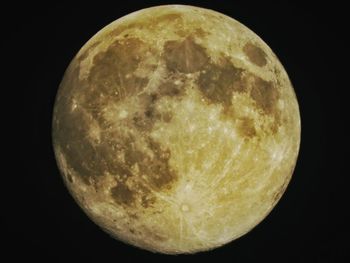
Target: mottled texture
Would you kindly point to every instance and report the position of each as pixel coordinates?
(264, 94)
(176, 129)
(185, 56)
(218, 82)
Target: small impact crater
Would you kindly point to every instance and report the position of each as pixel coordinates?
(255, 54)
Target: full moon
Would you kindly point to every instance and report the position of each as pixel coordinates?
(176, 129)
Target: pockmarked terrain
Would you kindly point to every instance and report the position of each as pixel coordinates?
(176, 129)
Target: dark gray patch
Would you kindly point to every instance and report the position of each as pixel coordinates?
(133, 216)
(112, 74)
(255, 54)
(145, 118)
(167, 116)
(169, 88)
(218, 82)
(184, 56)
(69, 177)
(86, 159)
(200, 32)
(154, 97)
(265, 95)
(246, 127)
(156, 171)
(122, 194)
(132, 155)
(106, 153)
(147, 201)
(144, 121)
(160, 174)
(78, 151)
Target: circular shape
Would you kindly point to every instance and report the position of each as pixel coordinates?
(176, 129)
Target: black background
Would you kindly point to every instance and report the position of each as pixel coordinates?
(41, 221)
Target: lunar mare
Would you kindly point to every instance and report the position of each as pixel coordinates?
(176, 129)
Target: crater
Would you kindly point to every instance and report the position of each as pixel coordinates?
(255, 54)
(69, 177)
(167, 116)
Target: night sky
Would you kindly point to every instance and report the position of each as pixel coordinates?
(40, 220)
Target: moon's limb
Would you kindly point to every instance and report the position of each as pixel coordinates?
(176, 129)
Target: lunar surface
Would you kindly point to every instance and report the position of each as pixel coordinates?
(176, 129)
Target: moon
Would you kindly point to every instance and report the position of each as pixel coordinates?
(176, 129)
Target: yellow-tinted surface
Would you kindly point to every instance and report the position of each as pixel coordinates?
(176, 129)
